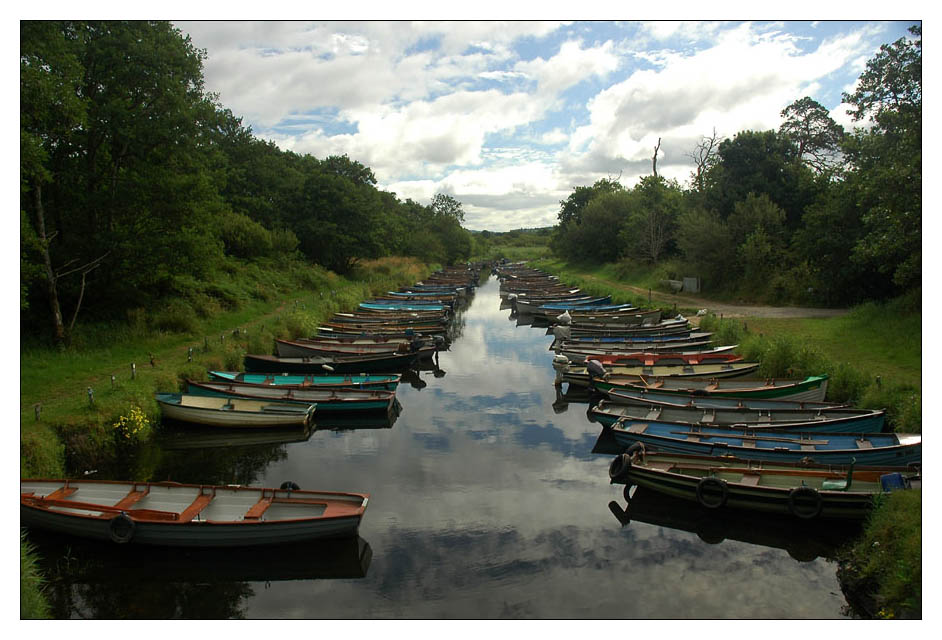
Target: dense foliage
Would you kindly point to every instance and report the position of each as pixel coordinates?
(807, 214)
(137, 185)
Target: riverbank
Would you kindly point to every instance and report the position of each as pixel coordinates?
(72, 402)
(872, 354)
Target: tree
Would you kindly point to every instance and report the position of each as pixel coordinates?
(445, 206)
(817, 136)
(704, 157)
(886, 160)
(760, 162)
(654, 206)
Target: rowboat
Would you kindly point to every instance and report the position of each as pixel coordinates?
(401, 306)
(582, 375)
(627, 339)
(810, 389)
(338, 364)
(172, 514)
(579, 354)
(625, 395)
(378, 381)
(232, 412)
(329, 400)
(887, 449)
(801, 490)
(829, 420)
(714, 355)
(304, 348)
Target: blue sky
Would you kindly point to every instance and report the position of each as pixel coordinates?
(508, 117)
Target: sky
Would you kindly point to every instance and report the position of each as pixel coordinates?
(509, 117)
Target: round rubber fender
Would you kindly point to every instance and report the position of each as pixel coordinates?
(288, 485)
(121, 527)
(800, 494)
(706, 486)
(619, 467)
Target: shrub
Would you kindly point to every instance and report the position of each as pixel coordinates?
(177, 316)
(132, 427)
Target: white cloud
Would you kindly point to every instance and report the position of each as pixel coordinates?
(469, 108)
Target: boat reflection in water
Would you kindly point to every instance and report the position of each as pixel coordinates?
(802, 540)
(196, 437)
(88, 579)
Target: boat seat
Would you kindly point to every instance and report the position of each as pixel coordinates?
(60, 493)
(708, 417)
(258, 509)
(134, 496)
(637, 428)
(864, 444)
(200, 503)
(653, 414)
(751, 479)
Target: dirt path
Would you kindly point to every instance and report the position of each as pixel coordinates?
(727, 310)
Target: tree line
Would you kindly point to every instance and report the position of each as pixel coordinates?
(808, 213)
(135, 181)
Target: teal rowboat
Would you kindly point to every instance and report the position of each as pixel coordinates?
(376, 381)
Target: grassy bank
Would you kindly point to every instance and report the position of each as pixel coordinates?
(185, 338)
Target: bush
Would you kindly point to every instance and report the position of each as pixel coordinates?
(175, 315)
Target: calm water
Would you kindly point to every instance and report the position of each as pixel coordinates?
(490, 499)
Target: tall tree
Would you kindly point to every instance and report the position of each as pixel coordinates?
(886, 160)
(446, 206)
(817, 136)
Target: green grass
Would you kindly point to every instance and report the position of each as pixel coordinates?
(33, 604)
(58, 381)
(885, 564)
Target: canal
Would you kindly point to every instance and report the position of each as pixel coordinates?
(490, 499)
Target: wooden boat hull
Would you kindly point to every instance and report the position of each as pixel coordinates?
(811, 389)
(822, 420)
(721, 483)
(298, 349)
(580, 376)
(378, 382)
(344, 364)
(178, 515)
(624, 395)
(327, 400)
(234, 412)
(898, 450)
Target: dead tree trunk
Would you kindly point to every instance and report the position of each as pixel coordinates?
(654, 159)
(51, 291)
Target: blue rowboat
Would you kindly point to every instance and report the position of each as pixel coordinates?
(384, 363)
(378, 381)
(883, 449)
(812, 388)
(820, 420)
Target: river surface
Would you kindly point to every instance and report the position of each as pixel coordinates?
(490, 499)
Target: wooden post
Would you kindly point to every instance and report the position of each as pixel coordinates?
(112, 383)
(38, 408)
(91, 397)
(133, 371)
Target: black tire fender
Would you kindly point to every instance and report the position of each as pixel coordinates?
(707, 484)
(619, 467)
(799, 493)
(122, 528)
